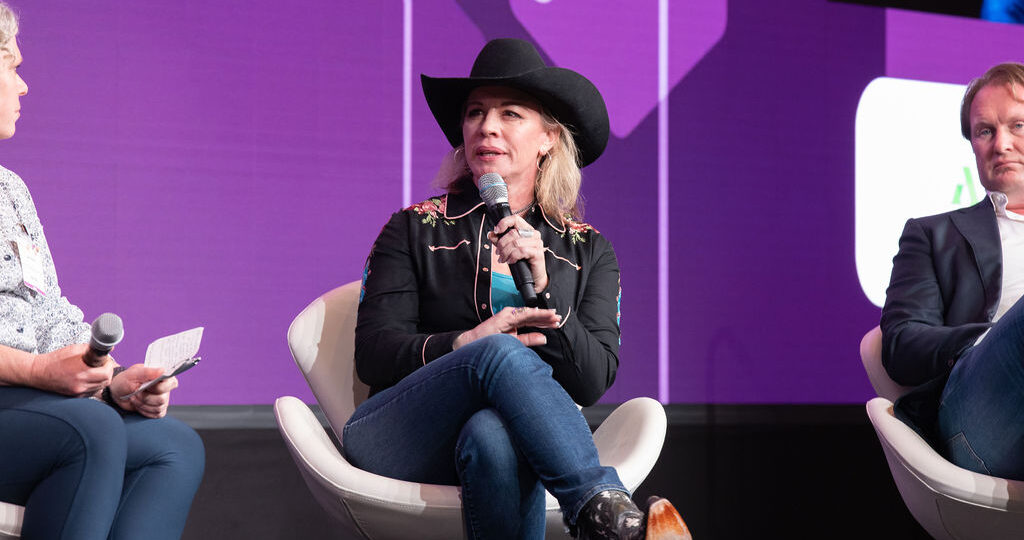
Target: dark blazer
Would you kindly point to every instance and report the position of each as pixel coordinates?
(942, 295)
(427, 281)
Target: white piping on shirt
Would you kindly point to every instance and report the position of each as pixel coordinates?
(476, 268)
(423, 351)
(574, 265)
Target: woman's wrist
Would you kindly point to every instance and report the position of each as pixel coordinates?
(462, 339)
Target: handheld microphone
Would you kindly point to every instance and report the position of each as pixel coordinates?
(107, 331)
(494, 192)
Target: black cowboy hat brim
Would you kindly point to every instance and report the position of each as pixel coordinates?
(567, 95)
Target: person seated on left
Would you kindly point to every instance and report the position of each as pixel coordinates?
(84, 463)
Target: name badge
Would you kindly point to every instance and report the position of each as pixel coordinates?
(31, 264)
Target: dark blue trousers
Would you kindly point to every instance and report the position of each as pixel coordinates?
(83, 471)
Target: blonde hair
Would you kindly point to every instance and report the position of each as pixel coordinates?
(8, 27)
(557, 189)
(1009, 73)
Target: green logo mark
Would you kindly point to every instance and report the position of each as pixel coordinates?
(970, 190)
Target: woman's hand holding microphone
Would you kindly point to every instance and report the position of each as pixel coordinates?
(513, 240)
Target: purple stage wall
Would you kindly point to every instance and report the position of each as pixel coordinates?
(223, 163)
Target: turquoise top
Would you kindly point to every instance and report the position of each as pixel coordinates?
(504, 292)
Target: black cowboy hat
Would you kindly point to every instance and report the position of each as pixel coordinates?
(569, 96)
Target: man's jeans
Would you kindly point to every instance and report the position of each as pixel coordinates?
(981, 415)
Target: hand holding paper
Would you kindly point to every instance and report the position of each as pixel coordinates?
(174, 354)
(151, 403)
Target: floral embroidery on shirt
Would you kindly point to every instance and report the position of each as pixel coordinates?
(576, 230)
(431, 210)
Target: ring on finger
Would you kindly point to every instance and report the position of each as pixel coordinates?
(526, 233)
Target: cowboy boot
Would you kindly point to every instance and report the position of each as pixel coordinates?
(664, 522)
(610, 515)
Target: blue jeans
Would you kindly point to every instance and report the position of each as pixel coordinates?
(490, 418)
(84, 472)
(979, 423)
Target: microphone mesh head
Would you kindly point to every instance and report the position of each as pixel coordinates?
(493, 189)
(107, 330)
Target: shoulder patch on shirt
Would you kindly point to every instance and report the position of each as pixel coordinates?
(432, 210)
(577, 230)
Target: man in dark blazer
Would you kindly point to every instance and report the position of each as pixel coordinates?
(952, 325)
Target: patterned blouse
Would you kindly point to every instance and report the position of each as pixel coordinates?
(31, 321)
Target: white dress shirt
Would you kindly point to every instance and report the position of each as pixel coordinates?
(1011, 236)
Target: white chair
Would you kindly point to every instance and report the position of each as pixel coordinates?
(11, 516)
(871, 356)
(375, 507)
(948, 501)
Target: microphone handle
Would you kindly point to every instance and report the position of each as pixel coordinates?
(95, 358)
(521, 273)
(524, 282)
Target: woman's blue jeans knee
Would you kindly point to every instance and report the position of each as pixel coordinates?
(413, 430)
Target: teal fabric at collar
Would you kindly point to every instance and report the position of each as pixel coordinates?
(504, 292)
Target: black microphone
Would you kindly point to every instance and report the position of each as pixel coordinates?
(107, 331)
(494, 192)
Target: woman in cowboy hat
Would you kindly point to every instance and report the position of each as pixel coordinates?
(468, 385)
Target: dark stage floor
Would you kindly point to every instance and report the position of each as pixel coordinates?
(734, 472)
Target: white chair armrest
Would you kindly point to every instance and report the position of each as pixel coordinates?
(871, 357)
(631, 438)
(307, 439)
(376, 506)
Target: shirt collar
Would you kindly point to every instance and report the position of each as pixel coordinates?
(466, 202)
(462, 203)
(999, 201)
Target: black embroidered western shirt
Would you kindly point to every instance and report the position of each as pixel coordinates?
(427, 280)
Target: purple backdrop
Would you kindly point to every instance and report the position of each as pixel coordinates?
(223, 163)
